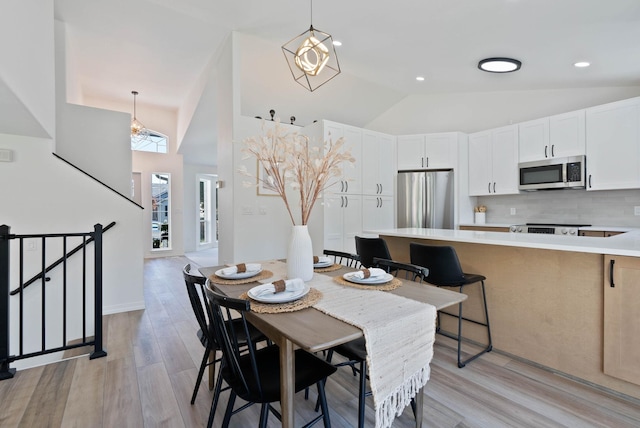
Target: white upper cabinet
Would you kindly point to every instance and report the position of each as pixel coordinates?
(430, 151)
(613, 145)
(551, 137)
(378, 166)
(351, 180)
(567, 134)
(493, 162)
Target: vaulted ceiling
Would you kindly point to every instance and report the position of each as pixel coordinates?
(162, 47)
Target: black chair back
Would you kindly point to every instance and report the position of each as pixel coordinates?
(195, 289)
(406, 270)
(368, 248)
(442, 262)
(234, 339)
(340, 257)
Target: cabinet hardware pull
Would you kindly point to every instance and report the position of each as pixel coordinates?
(341, 186)
(341, 201)
(346, 184)
(589, 181)
(545, 151)
(422, 162)
(552, 146)
(380, 188)
(427, 161)
(494, 187)
(611, 263)
(377, 202)
(489, 187)
(380, 202)
(346, 201)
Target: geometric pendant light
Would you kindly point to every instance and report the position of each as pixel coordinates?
(138, 130)
(311, 57)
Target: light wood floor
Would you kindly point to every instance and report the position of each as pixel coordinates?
(148, 376)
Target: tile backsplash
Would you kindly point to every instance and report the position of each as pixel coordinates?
(599, 208)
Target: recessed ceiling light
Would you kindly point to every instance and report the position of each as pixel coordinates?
(499, 65)
(582, 64)
(420, 79)
(337, 43)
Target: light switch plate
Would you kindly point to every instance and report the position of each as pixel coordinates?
(636, 210)
(6, 155)
(513, 211)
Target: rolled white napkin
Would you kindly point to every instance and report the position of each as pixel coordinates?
(373, 273)
(294, 284)
(251, 267)
(323, 260)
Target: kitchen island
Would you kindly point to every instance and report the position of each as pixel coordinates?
(550, 298)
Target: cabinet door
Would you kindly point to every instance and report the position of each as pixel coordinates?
(387, 168)
(370, 163)
(410, 152)
(377, 213)
(622, 318)
(439, 150)
(613, 146)
(352, 172)
(567, 134)
(479, 163)
(533, 140)
(352, 222)
(333, 210)
(386, 213)
(504, 154)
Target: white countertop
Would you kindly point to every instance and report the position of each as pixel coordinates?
(626, 244)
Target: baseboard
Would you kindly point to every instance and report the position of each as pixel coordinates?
(126, 307)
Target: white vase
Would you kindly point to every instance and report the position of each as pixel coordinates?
(480, 218)
(300, 254)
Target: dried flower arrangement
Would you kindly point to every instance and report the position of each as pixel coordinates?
(480, 209)
(290, 161)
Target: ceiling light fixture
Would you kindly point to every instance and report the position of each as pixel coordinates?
(499, 65)
(582, 64)
(311, 57)
(138, 130)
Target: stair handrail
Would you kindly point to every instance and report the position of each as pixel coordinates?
(57, 262)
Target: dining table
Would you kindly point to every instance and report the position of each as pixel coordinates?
(314, 331)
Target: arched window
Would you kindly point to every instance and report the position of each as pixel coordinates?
(151, 142)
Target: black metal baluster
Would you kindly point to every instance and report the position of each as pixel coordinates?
(98, 350)
(5, 371)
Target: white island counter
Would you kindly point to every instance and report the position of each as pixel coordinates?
(551, 298)
(625, 244)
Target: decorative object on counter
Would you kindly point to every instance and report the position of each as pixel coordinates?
(480, 214)
(311, 57)
(292, 119)
(294, 169)
(272, 113)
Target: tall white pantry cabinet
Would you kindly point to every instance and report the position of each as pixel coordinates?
(363, 197)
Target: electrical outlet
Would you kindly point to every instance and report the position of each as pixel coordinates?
(636, 210)
(513, 211)
(31, 245)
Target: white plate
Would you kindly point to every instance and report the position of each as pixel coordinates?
(323, 264)
(263, 293)
(247, 274)
(369, 281)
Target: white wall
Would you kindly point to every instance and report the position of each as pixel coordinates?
(477, 111)
(27, 88)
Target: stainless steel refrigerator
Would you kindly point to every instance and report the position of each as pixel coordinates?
(425, 199)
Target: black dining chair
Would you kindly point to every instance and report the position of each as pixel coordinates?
(368, 248)
(445, 271)
(195, 289)
(254, 376)
(343, 258)
(355, 351)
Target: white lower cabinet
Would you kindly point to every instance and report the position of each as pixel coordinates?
(377, 212)
(342, 222)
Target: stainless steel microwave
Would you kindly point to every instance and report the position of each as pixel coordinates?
(554, 173)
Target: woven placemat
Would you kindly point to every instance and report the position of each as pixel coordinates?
(262, 275)
(331, 268)
(312, 297)
(388, 286)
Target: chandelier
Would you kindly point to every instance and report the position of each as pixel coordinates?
(138, 130)
(311, 57)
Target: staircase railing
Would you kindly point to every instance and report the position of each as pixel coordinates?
(6, 237)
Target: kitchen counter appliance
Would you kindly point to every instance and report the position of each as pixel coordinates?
(550, 229)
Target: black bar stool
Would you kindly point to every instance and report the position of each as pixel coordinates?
(445, 271)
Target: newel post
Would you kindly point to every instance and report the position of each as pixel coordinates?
(5, 371)
(98, 350)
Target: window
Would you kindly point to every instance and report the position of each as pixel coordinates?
(160, 211)
(154, 142)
